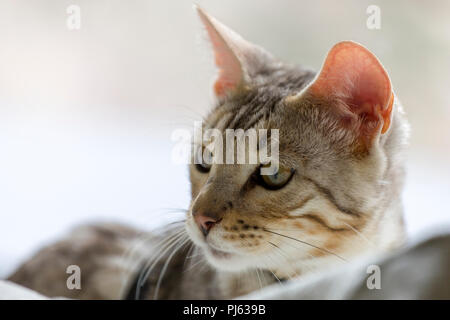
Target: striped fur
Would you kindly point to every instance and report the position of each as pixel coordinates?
(343, 200)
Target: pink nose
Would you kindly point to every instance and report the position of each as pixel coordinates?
(205, 223)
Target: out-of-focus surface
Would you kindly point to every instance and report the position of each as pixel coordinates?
(86, 115)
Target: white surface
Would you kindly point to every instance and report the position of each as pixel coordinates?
(12, 291)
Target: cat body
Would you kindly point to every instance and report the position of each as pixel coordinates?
(336, 195)
(111, 259)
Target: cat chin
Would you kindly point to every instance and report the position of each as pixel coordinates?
(226, 262)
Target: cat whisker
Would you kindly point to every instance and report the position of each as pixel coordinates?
(175, 210)
(280, 252)
(268, 266)
(176, 222)
(190, 109)
(306, 243)
(194, 264)
(259, 278)
(360, 234)
(134, 255)
(257, 270)
(131, 256)
(189, 254)
(172, 241)
(163, 243)
(274, 275)
(166, 264)
(279, 281)
(293, 245)
(193, 256)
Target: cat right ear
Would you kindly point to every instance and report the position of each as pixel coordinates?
(236, 58)
(358, 87)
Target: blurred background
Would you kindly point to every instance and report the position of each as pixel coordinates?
(86, 115)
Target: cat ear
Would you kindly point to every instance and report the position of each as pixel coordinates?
(355, 80)
(235, 57)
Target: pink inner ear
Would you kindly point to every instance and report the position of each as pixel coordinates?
(230, 70)
(352, 74)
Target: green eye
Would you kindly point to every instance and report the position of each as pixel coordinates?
(278, 180)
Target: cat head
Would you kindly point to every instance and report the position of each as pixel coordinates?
(335, 159)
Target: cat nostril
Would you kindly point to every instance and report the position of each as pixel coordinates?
(209, 224)
(206, 223)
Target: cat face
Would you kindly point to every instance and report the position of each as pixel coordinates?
(326, 200)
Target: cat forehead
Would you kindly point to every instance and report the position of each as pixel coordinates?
(304, 127)
(305, 130)
(262, 100)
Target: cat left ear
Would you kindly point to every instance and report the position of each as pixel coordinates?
(360, 87)
(237, 59)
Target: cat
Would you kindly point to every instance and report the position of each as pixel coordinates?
(336, 195)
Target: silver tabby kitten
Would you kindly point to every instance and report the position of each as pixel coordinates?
(337, 193)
